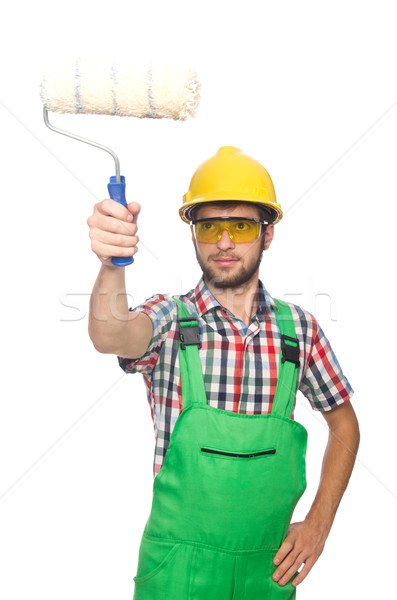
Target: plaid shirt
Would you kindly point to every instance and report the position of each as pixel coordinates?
(239, 363)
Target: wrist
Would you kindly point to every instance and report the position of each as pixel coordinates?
(320, 520)
(111, 275)
(108, 265)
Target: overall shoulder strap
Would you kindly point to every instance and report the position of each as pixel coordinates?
(288, 362)
(192, 382)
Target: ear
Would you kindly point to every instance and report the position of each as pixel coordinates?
(192, 232)
(268, 236)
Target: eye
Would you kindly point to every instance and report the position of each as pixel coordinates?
(207, 226)
(243, 226)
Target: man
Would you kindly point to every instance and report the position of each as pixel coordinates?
(222, 365)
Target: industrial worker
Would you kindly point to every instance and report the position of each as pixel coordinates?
(222, 365)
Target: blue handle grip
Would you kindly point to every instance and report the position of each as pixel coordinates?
(117, 192)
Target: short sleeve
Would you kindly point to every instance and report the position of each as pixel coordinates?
(323, 382)
(162, 311)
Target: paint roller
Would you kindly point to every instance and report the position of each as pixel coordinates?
(84, 86)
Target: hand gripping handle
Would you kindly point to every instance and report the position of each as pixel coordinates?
(117, 192)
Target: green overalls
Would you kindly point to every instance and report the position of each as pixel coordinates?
(224, 497)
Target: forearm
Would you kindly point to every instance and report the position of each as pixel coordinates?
(108, 309)
(338, 463)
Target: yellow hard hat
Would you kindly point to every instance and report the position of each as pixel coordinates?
(230, 175)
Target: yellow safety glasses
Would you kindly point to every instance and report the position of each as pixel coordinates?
(240, 230)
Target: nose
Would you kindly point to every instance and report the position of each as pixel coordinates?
(225, 241)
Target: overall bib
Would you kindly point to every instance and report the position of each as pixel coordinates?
(224, 497)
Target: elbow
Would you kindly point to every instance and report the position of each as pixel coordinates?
(355, 428)
(101, 349)
(358, 435)
(101, 346)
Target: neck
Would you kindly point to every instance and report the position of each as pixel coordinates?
(241, 301)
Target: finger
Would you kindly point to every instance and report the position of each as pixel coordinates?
(304, 572)
(111, 224)
(286, 565)
(107, 250)
(288, 573)
(112, 208)
(284, 549)
(113, 239)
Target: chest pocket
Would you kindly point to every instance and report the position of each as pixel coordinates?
(238, 455)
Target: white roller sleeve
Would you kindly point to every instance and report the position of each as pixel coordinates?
(124, 88)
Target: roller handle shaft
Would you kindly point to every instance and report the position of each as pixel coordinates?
(117, 192)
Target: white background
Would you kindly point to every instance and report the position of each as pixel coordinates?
(307, 88)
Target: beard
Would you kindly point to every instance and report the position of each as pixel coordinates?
(224, 279)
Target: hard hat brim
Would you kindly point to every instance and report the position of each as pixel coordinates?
(185, 210)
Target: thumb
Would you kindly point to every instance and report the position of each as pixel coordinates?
(134, 208)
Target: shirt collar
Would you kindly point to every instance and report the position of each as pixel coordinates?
(205, 301)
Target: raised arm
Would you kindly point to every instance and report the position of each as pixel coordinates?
(112, 328)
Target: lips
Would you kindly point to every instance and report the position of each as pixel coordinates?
(225, 261)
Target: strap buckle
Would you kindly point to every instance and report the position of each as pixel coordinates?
(290, 352)
(189, 335)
